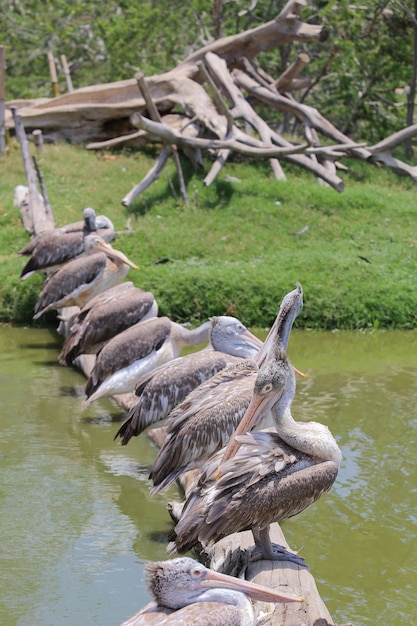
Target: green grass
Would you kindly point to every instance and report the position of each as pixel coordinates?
(239, 245)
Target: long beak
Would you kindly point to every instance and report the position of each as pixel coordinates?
(256, 592)
(253, 339)
(116, 254)
(260, 357)
(258, 407)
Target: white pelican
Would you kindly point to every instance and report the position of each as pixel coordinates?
(273, 475)
(186, 592)
(137, 350)
(81, 279)
(51, 249)
(204, 422)
(168, 385)
(95, 325)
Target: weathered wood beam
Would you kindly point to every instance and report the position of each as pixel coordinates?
(154, 113)
(67, 73)
(150, 177)
(290, 153)
(285, 28)
(302, 112)
(284, 82)
(42, 217)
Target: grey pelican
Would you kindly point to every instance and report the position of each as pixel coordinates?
(186, 592)
(50, 250)
(261, 477)
(79, 280)
(204, 422)
(165, 387)
(137, 350)
(95, 325)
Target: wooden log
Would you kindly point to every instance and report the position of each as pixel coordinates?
(231, 556)
(2, 99)
(53, 74)
(21, 201)
(38, 139)
(42, 218)
(67, 73)
(150, 177)
(154, 113)
(284, 82)
(42, 186)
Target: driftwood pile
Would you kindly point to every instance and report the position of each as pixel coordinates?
(208, 104)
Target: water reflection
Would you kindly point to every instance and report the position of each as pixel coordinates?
(77, 521)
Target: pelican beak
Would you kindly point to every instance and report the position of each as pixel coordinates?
(116, 254)
(258, 406)
(254, 591)
(253, 339)
(299, 372)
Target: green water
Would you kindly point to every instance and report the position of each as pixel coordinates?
(77, 523)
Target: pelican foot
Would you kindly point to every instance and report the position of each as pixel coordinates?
(277, 553)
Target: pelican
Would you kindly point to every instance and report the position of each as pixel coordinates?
(81, 279)
(186, 592)
(109, 295)
(165, 387)
(204, 422)
(261, 477)
(95, 325)
(50, 250)
(138, 350)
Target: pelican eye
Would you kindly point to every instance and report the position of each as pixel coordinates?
(267, 388)
(196, 572)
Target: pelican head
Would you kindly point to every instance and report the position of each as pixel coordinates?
(271, 381)
(179, 582)
(228, 334)
(95, 243)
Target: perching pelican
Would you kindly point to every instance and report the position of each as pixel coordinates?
(81, 279)
(168, 385)
(204, 422)
(51, 249)
(93, 327)
(137, 350)
(186, 592)
(273, 475)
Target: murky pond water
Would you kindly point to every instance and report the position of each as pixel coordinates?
(77, 523)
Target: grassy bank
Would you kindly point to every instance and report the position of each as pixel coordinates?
(240, 245)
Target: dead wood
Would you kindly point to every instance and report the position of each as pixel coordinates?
(217, 90)
(37, 214)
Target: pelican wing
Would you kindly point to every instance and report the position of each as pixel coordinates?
(104, 321)
(167, 387)
(68, 282)
(54, 249)
(221, 614)
(265, 482)
(191, 440)
(131, 345)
